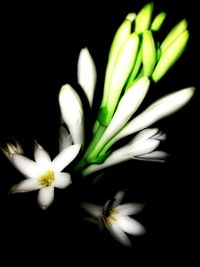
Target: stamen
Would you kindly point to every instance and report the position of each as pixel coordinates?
(46, 179)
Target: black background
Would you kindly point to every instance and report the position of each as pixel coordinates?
(40, 44)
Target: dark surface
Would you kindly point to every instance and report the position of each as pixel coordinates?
(39, 51)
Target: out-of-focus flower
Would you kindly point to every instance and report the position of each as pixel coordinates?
(141, 147)
(65, 139)
(116, 218)
(72, 113)
(44, 174)
(87, 75)
(11, 149)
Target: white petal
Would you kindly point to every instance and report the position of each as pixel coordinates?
(127, 106)
(65, 138)
(129, 209)
(45, 196)
(163, 107)
(130, 226)
(72, 112)
(119, 235)
(145, 134)
(92, 209)
(25, 186)
(144, 147)
(87, 75)
(26, 166)
(65, 157)
(42, 158)
(62, 180)
(157, 156)
(118, 198)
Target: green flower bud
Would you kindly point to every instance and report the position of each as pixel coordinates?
(158, 21)
(143, 18)
(173, 34)
(170, 56)
(148, 53)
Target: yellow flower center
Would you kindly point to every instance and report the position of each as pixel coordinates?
(46, 179)
(108, 220)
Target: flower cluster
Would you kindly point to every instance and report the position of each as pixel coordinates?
(136, 61)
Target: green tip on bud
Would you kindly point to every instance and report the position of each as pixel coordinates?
(158, 21)
(143, 18)
(170, 56)
(148, 53)
(173, 34)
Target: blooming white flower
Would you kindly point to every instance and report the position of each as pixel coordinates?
(72, 113)
(44, 174)
(116, 218)
(141, 147)
(87, 75)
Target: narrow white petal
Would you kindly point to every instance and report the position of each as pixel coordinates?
(144, 135)
(92, 209)
(144, 147)
(119, 235)
(26, 166)
(118, 198)
(163, 107)
(130, 226)
(129, 209)
(157, 156)
(25, 186)
(87, 75)
(65, 157)
(45, 196)
(65, 138)
(42, 158)
(62, 180)
(72, 113)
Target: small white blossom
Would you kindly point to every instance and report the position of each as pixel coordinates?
(116, 218)
(44, 174)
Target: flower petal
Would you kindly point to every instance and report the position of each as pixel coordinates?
(25, 186)
(87, 75)
(62, 180)
(144, 147)
(163, 107)
(130, 226)
(92, 209)
(129, 208)
(72, 112)
(65, 157)
(42, 158)
(118, 198)
(119, 235)
(65, 138)
(26, 166)
(45, 197)
(155, 156)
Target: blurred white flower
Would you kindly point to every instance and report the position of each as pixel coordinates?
(44, 174)
(65, 139)
(72, 113)
(11, 149)
(116, 218)
(141, 147)
(87, 75)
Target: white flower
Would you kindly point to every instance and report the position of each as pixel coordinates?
(72, 113)
(44, 174)
(116, 218)
(86, 73)
(141, 147)
(65, 139)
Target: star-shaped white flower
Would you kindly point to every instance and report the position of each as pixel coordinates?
(44, 174)
(116, 218)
